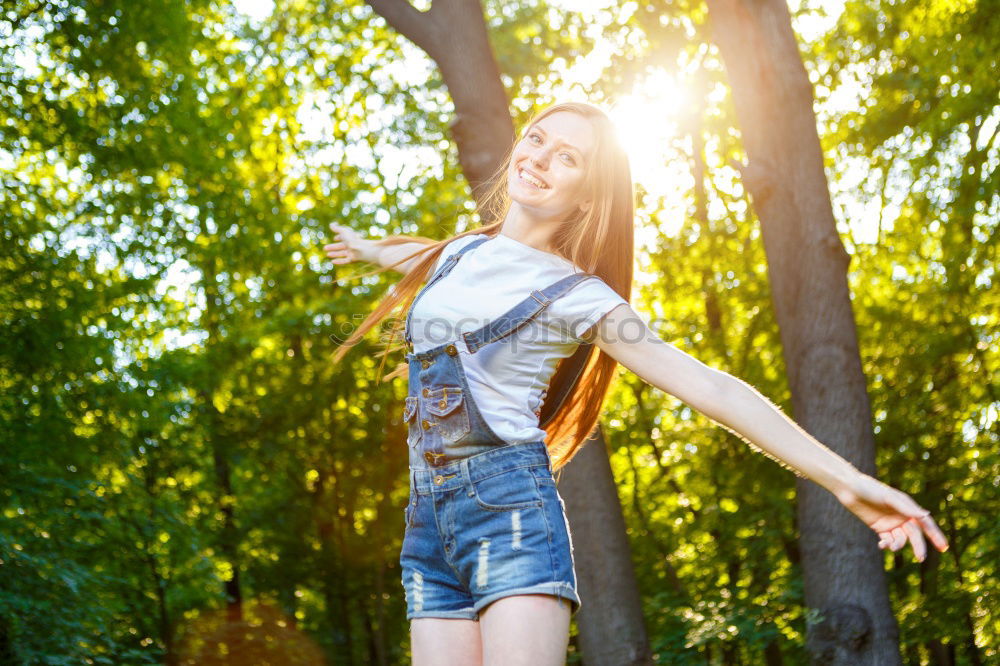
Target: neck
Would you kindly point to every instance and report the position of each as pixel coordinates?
(525, 228)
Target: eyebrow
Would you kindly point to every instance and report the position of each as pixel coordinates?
(576, 150)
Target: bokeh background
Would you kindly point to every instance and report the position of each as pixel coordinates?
(187, 477)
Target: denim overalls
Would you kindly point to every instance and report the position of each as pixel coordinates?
(444, 421)
(484, 520)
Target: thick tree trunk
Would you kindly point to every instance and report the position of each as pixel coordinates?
(453, 33)
(842, 566)
(612, 630)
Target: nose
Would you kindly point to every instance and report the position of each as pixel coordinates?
(540, 158)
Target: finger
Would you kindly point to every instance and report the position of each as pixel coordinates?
(898, 539)
(934, 532)
(340, 229)
(905, 504)
(923, 516)
(912, 530)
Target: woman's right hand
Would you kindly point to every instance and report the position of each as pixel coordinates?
(892, 514)
(351, 246)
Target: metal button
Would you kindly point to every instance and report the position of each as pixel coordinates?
(443, 404)
(425, 364)
(452, 350)
(426, 392)
(426, 424)
(438, 480)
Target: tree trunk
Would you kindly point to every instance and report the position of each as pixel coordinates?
(772, 654)
(229, 539)
(612, 630)
(453, 33)
(807, 263)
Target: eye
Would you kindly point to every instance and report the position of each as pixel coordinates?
(535, 138)
(568, 159)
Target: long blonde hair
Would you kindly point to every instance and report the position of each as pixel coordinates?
(599, 240)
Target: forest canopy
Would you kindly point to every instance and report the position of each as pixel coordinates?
(183, 466)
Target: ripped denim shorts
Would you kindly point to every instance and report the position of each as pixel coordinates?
(484, 527)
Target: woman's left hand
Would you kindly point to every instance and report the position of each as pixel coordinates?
(892, 514)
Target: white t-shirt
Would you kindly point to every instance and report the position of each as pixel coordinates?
(509, 377)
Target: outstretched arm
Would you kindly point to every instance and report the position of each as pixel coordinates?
(352, 246)
(624, 336)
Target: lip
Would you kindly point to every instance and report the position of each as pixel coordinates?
(534, 175)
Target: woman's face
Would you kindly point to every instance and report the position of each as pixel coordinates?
(548, 167)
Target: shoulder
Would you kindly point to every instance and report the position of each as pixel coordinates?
(590, 288)
(456, 245)
(585, 304)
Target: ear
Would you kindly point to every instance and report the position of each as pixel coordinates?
(585, 206)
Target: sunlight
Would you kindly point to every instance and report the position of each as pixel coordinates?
(256, 10)
(646, 121)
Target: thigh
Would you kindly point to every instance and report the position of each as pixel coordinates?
(527, 629)
(435, 642)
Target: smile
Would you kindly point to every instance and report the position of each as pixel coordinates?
(532, 179)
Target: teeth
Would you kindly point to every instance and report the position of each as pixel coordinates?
(528, 178)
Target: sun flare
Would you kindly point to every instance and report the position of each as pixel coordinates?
(648, 123)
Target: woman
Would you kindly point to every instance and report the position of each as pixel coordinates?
(518, 329)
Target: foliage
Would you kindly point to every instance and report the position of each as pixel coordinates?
(181, 461)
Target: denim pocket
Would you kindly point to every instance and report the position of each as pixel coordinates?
(507, 491)
(543, 476)
(446, 406)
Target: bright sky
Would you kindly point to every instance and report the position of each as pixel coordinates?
(258, 10)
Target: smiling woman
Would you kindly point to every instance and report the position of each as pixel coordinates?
(512, 345)
(547, 175)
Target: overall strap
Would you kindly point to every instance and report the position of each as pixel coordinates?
(445, 268)
(522, 313)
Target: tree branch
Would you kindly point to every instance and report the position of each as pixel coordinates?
(413, 24)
